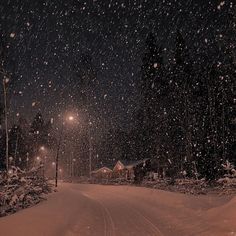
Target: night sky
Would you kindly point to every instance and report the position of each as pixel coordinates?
(46, 39)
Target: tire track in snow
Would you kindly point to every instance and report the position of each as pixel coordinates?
(107, 218)
(153, 226)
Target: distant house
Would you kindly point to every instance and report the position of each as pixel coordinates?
(119, 170)
(131, 170)
(102, 173)
(158, 169)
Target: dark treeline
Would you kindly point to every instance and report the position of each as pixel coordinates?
(25, 143)
(187, 111)
(186, 116)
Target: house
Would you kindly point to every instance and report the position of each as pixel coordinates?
(158, 169)
(102, 173)
(131, 170)
(119, 170)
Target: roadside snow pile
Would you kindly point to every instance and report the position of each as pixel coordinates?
(222, 186)
(187, 185)
(228, 183)
(191, 186)
(223, 218)
(19, 190)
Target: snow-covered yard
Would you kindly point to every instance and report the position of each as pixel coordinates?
(81, 209)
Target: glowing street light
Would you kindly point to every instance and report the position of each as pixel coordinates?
(27, 160)
(71, 118)
(42, 148)
(60, 171)
(10, 158)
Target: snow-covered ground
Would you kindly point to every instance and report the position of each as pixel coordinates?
(123, 210)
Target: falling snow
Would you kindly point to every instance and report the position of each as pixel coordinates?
(142, 89)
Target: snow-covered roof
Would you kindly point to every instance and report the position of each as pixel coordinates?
(131, 164)
(119, 165)
(102, 169)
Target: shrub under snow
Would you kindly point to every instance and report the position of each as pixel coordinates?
(228, 182)
(21, 189)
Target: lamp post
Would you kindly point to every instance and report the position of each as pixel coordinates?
(57, 156)
(60, 171)
(73, 168)
(43, 150)
(27, 161)
(10, 160)
(70, 119)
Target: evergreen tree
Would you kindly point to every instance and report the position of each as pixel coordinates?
(37, 124)
(18, 146)
(180, 90)
(151, 75)
(40, 135)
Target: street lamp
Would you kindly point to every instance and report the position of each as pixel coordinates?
(70, 118)
(90, 150)
(42, 148)
(27, 161)
(60, 171)
(73, 167)
(11, 160)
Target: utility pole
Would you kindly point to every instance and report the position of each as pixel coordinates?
(16, 145)
(90, 148)
(90, 157)
(5, 81)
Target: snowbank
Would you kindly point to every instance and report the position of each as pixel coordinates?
(223, 218)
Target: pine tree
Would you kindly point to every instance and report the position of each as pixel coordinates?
(180, 89)
(37, 124)
(40, 135)
(151, 75)
(18, 146)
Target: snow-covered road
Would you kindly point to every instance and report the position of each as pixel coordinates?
(121, 210)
